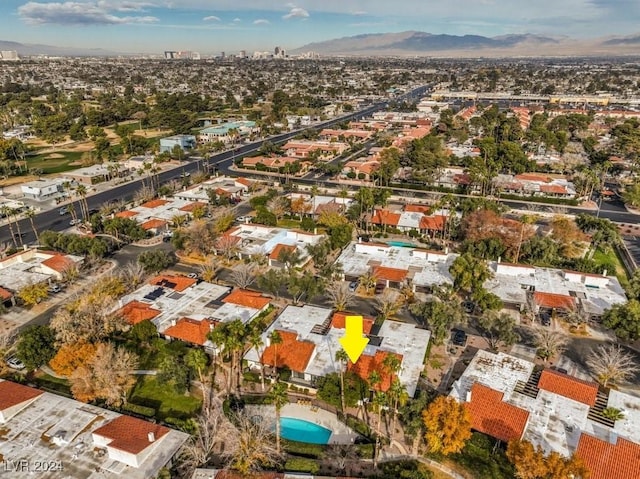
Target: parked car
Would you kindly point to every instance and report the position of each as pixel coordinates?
(74, 222)
(458, 337)
(55, 288)
(545, 319)
(192, 275)
(15, 363)
(353, 286)
(63, 211)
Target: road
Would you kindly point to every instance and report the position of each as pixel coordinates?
(52, 220)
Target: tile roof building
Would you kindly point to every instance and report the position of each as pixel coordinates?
(86, 441)
(34, 266)
(311, 336)
(508, 398)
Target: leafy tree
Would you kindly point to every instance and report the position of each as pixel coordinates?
(340, 236)
(143, 332)
(174, 373)
(539, 250)
(72, 356)
(447, 424)
(631, 194)
(33, 293)
(531, 463)
(624, 320)
(498, 328)
(35, 346)
(610, 364)
(265, 217)
(156, 260)
(304, 285)
(355, 389)
(196, 360)
(469, 273)
(411, 417)
(272, 281)
(440, 316)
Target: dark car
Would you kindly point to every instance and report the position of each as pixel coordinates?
(458, 337)
(380, 287)
(545, 319)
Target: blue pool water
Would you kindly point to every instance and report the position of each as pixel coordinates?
(401, 244)
(303, 431)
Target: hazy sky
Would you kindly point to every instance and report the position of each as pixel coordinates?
(211, 26)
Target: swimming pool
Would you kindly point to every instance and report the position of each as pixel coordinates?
(303, 431)
(401, 244)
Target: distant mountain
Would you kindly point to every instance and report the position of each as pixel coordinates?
(28, 49)
(427, 44)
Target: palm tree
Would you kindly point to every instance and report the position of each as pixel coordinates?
(368, 281)
(6, 212)
(278, 395)
(15, 212)
(275, 339)
(314, 190)
(342, 358)
(255, 339)
(399, 397)
(81, 191)
(30, 213)
(72, 211)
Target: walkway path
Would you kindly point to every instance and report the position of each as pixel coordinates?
(390, 457)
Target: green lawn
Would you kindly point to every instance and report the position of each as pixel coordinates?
(149, 392)
(54, 165)
(287, 223)
(611, 261)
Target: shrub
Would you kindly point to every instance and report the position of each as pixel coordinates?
(300, 464)
(141, 410)
(303, 449)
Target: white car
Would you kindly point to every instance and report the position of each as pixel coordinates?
(74, 222)
(192, 275)
(15, 363)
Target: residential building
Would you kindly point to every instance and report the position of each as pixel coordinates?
(78, 440)
(8, 55)
(509, 398)
(35, 266)
(535, 184)
(185, 142)
(221, 185)
(363, 168)
(228, 132)
(156, 215)
(310, 338)
(253, 239)
(274, 163)
(303, 149)
(345, 135)
(319, 204)
(137, 163)
(91, 174)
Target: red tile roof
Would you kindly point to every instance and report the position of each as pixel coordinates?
(153, 224)
(275, 254)
(385, 217)
(366, 364)
(568, 386)
(490, 415)
(154, 203)
(433, 223)
(254, 475)
(609, 461)
(533, 177)
(130, 434)
(5, 295)
(291, 353)
(553, 189)
(180, 282)
(339, 319)
(554, 301)
(191, 330)
(244, 181)
(417, 209)
(12, 394)
(135, 312)
(192, 206)
(126, 214)
(390, 274)
(58, 262)
(249, 299)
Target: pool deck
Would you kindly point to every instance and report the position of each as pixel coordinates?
(341, 433)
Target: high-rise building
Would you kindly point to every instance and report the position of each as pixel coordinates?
(9, 55)
(276, 52)
(243, 54)
(222, 55)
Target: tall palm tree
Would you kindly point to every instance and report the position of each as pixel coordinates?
(399, 397)
(81, 191)
(255, 339)
(15, 212)
(342, 358)
(30, 213)
(314, 190)
(278, 396)
(72, 211)
(275, 339)
(6, 212)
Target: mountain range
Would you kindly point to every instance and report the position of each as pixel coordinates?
(414, 43)
(28, 49)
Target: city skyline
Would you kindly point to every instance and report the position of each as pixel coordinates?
(157, 25)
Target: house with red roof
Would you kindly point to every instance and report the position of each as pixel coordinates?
(85, 440)
(191, 331)
(510, 398)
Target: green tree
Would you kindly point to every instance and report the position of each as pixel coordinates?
(631, 194)
(469, 273)
(36, 346)
(33, 293)
(279, 398)
(342, 359)
(143, 332)
(156, 260)
(498, 328)
(624, 320)
(197, 360)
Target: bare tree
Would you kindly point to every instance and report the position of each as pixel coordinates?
(133, 275)
(227, 245)
(209, 270)
(611, 364)
(340, 295)
(341, 455)
(213, 432)
(549, 342)
(108, 376)
(144, 194)
(278, 206)
(243, 275)
(254, 446)
(388, 304)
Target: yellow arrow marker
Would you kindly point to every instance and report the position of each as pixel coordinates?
(352, 342)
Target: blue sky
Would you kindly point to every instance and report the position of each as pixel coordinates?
(211, 26)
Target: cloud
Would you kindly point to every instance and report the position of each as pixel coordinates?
(261, 21)
(76, 13)
(296, 12)
(237, 20)
(211, 18)
(359, 13)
